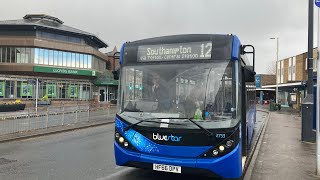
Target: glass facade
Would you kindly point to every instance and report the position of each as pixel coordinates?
(49, 57)
(59, 37)
(16, 55)
(25, 88)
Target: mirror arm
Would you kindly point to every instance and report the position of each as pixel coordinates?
(243, 52)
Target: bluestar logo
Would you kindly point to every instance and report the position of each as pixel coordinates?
(166, 137)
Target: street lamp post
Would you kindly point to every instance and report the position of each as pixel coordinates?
(277, 67)
(307, 133)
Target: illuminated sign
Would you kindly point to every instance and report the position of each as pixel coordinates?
(171, 52)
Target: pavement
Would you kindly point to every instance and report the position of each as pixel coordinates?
(282, 155)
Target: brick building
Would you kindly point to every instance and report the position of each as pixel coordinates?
(265, 94)
(291, 77)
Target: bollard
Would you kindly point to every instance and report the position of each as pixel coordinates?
(29, 125)
(77, 113)
(62, 119)
(47, 120)
(88, 112)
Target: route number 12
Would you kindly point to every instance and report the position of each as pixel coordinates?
(207, 49)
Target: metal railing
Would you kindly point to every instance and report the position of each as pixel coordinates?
(28, 120)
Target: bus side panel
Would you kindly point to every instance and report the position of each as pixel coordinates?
(251, 119)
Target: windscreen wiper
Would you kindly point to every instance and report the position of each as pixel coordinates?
(146, 120)
(207, 132)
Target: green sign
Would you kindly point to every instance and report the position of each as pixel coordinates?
(51, 90)
(2, 88)
(25, 89)
(73, 91)
(45, 69)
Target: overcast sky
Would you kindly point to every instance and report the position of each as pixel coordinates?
(117, 21)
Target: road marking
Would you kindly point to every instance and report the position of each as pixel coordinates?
(115, 174)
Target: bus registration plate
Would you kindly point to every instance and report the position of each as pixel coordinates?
(167, 168)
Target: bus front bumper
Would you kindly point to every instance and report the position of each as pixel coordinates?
(228, 166)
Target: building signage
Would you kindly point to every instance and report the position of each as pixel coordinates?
(171, 52)
(25, 89)
(258, 81)
(45, 69)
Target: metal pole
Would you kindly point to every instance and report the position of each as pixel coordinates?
(277, 74)
(310, 49)
(37, 94)
(318, 100)
(277, 95)
(307, 133)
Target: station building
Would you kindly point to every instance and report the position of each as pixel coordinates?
(62, 61)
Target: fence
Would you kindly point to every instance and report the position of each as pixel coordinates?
(45, 117)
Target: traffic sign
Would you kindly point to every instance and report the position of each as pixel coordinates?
(317, 2)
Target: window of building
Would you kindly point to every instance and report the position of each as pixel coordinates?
(41, 55)
(56, 58)
(12, 57)
(85, 61)
(50, 57)
(7, 55)
(9, 89)
(59, 37)
(68, 59)
(60, 58)
(64, 59)
(18, 55)
(282, 72)
(89, 61)
(73, 61)
(77, 60)
(294, 68)
(46, 57)
(81, 61)
(289, 69)
(36, 56)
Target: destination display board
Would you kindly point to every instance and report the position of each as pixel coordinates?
(172, 52)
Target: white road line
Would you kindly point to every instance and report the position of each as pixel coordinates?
(115, 174)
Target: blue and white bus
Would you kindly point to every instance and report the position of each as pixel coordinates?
(186, 105)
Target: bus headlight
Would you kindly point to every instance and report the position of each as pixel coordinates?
(215, 152)
(223, 147)
(229, 143)
(126, 144)
(117, 135)
(122, 141)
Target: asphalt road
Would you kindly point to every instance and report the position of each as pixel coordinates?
(83, 155)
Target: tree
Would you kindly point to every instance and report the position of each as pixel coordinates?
(271, 68)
